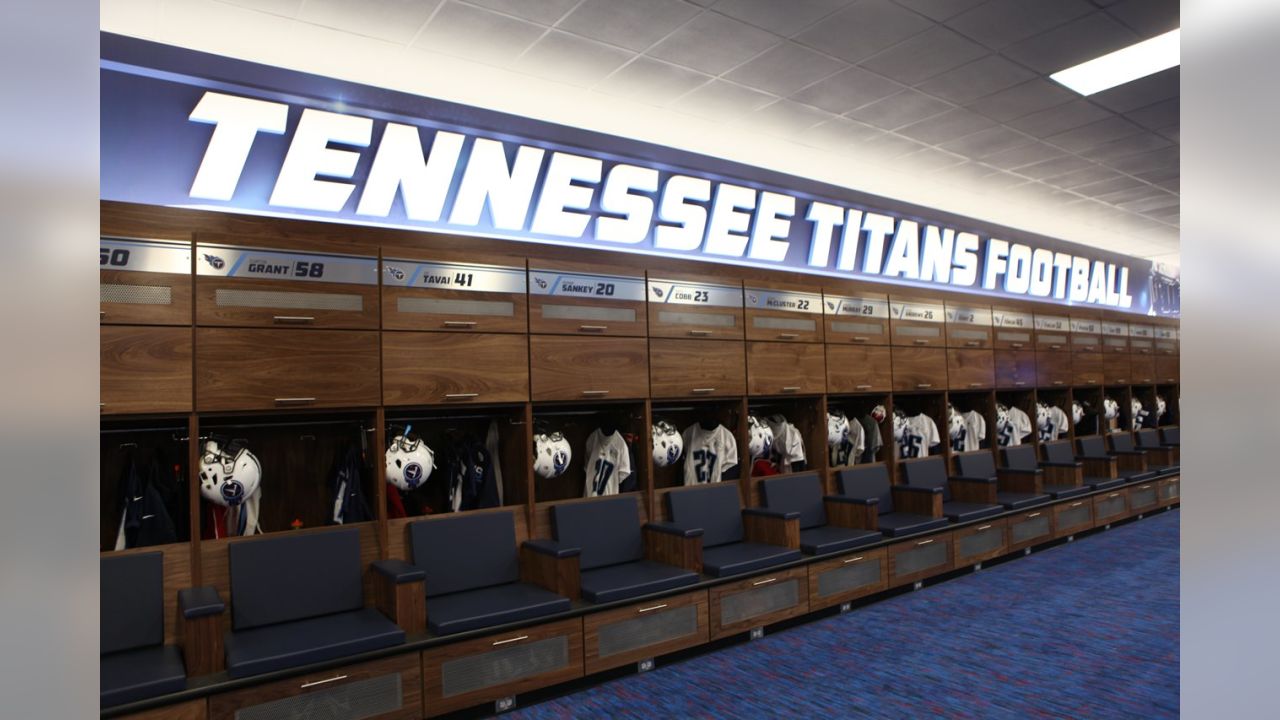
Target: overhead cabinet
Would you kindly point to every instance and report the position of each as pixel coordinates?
(1141, 339)
(1013, 330)
(915, 323)
(1116, 369)
(453, 297)
(440, 368)
(970, 369)
(144, 282)
(856, 320)
(145, 369)
(697, 368)
(1142, 369)
(1015, 368)
(1115, 337)
(858, 369)
(919, 368)
(1053, 369)
(969, 326)
(783, 315)
(691, 309)
(579, 300)
(1087, 368)
(1052, 333)
(574, 368)
(781, 368)
(1086, 335)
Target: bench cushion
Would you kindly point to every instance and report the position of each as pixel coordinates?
(619, 582)
(1135, 476)
(606, 529)
(899, 524)
(1017, 500)
(140, 674)
(964, 511)
(466, 552)
(744, 557)
(866, 482)
(1097, 483)
(302, 642)
(1062, 492)
(796, 493)
(713, 507)
(930, 472)
(983, 464)
(287, 577)
(472, 609)
(830, 539)
(131, 598)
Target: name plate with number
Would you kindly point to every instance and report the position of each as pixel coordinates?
(605, 287)
(789, 301)
(1140, 331)
(917, 312)
(1084, 327)
(1005, 319)
(687, 293)
(1164, 333)
(969, 316)
(452, 276)
(155, 256)
(1115, 329)
(239, 262)
(1052, 323)
(861, 307)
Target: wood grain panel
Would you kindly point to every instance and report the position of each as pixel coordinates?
(177, 576)
(697, 368)
(434, 368)
(1062, 527)
(779, 368)
(858, 369)
(210, 312)
(593, 623)
(784, 532)
(190, 710)
(718, 593)
(1087, 369)
(1116, 369)
(817, 569)
(970, 369)
(251, 369)
(145, 369)
(1015, 368)
(1083, 343)
(676, 550)
(998, 526)
(1098, 503)
(225, 706)
(176, 312)
(919, 368)
(1053, 369)
(1168, 369)
(867, 330)
(393, 318)
(722, 323)
(1030, 517)
(574, 368)
(1142, 369)
(894, 551)
(1136, 497)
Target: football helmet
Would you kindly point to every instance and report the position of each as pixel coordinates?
(1138, 414)
(229, 473)
(1077, 412)
(878, 413)
(551, 455)
(1110, 408)
(668, 445)
(1042, 416)
(761, 440)
(899, 424)
(409, 461)
(955, 422)
(837, 429)
(1161, 407)
(1002, 416)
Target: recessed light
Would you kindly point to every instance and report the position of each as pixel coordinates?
(1124, 65)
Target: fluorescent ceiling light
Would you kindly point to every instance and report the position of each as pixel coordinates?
(1122, 66)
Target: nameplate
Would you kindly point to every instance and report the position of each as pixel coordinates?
(452, 276)
(688, 293)
(787, 301)
(240, 262)
(602, 287)
(155, 256)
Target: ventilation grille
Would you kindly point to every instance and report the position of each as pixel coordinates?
(1115, 342)
(858, 327)
(583, 312)
(1054, 339)
(920, 558)
(350, 701)
(1014, 336)
(672, 317)
(1033, 528)
(135, 294)
(1110, 507)
(1142, 498)
(759, 601)
(508, 664)
(978, 543)
(646, 630)
(288, 300)
(438, 306)
(849, 577)
(775, 323)
(912, 330)
(1074, 517)
(969, 334)
(1169, 491)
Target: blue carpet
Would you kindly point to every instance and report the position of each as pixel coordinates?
(1083, 630)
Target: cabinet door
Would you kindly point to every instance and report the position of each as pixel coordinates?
(981, 542)
(144, 282)
(430, 368)
(919, 368)
(578, 302)
(858, 320)
(858, 369)
(1142, 369)
(1052, 333)
(1013, 330)
(259, 369)
(686, 309)
(145, 369)
(387, 689)
(1072, 517)
(787, 316)
(453, 297)
(1053, 369)
(779, 368)
(1167, 369)
(635, 632)
(1030, 528)
(1116, 369)
(1087, 368)
(1110, 507)
(916, 323)
(970, 369)
(843, 579)
(758, 601)
(1015, 368)
(919, 559)
(574, 368)
(969, 326)
(697, 368)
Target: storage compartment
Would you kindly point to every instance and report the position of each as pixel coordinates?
(969, 326)
(144, 485)
(857, 369)
(486, 669)
(259, 369)
(621, 462)
(1115, 337)
(780, 368)
(1142, 369)
(1015, 368)
(630, 634)
(1115, 368)
(919, 368)
(1168, 369)
(420, 368)
(453, 297)
(1141, 339)
(697, 368)
(1053, 369)
(689, 309)
(925, 431)
(1072, 517)
(256, 287)
(144, 282)
(919, 559)
(1030, 528)
(1052, 333)
(790, 451)
(1170, 491)
(859, 320)
(385, 689)
(786, 315)
(977, 543)
(1166, 340)
(758, 601)
(842, 579)
(1109, 507)
(1144, 498)
(1013, 330)
(916, 323)
(970, 369)
(1086, 335)
(715, 459)
(1087, 368)
(577, 300)
(144, 369)
(575, 368)
(877, 435)
(977, 429)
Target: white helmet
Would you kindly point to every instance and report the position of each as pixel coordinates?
(1161, 407)
(1137, 413)
(899, 424)
(955, 422)
(668, 445)
(837, 429)
(229, 473)
(761, 440)
(1110, 408)
(1002, 416)
(878, 413)
(551, 455)
(1042, 416)
(409, 461)
(1077, 412)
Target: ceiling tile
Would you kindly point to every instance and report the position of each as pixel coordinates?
(863, 29)
(1172, 133)
(1148, 18)
(713, 44)
(929, 160)
(1141, 92)
(940, 9)
(1021, 155)
(1019, 100)
(1047, 169)
(846, 90)
(1157, 116)
(1094, 134)
(1109, 185)
(887, 147)
(1157, 177)
(783, 18)
(625, 23)
(785, 118)
(286, 8)
(1084, 176)
(571, 59)
(986, 142)
(784, 68)
(952, 124)
(967, 173)
(1044, 123)
(545, 12)
(1126, 147)
(977, 79)
(1166, 159)
(477, 34)
(1002, 22)
(919, 58)
(1067, 45)
(899, 109)
(837, 133)
(652, 81)
(722, 100)
(1159, 203)
(396, 21)
(1001, 180)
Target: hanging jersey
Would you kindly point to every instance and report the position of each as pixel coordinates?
(708, 453)
(975, 430)
(788, 445)
(607, 463)
(1017, 429)
(850, 450)
(1059, 422)
(920, 434)
(871, 438)
(493, 495)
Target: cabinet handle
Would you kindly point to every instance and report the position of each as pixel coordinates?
(975, 384)
(460, 396)
(510, 640)
(295, 401)
(102, 405)
(764, 582)
(852, 560)
(466, 324)
(650, 609)
(1144, 487)
(292, 319)
(1055, 347)
(322, 682)
(862, 387)
(924, 542)
(595, 392)
(703, 391)
(699, 333)
(1113, 495)
(787, 336)
(102, 314)
(924, 386)
(1122, 381)
(972, 343)
(1015, 345)
(857, 339)
(1077, 504)
(791, 389)
(1019, 384)
(1058, 382)
(919, 341)
(1033, 515)
(984, 527)
(593, 328)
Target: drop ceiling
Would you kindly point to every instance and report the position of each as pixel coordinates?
(946, 103)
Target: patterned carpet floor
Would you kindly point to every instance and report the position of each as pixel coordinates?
(1082, 630)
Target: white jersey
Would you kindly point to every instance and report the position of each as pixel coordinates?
(1059, 423)
(606, 463)
(1018, 427)
(788, 445)
(708, 454)
(850, 449)
(920, 434)
(975, 430)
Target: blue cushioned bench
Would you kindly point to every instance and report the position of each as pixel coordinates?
(801, 496)
(931, 473)
(726, 547)
(1018, 486)
(135, 663)
(1059, 454)
(871, 483)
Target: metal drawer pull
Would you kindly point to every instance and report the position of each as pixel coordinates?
(1015, 345)
(972, 343)
(787, 336)
(699, 333)
(292, 319)
(459, 323)
(924, 542)
(1058, 382)
(1036, 514)
(984, 527)
(1077, 504)
(102, 405)
(704, 390)
(650, 609)
(102, 314)
(593, 328)
(321, 682)
(1055, 347)
(791, 388)
(858, 339)
(975, 384)
(1122, 381)
(1113, 495)
(460, 396)
(764, 582)
(510, 640)
(1144, 487)
(1019, 384)
(863, 387)
(924, 385)
(595, 392)
(920, 342)
(851, 560)
(295, 401)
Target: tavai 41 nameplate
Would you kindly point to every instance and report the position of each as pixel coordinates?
(156, 256)
(238, 262)
(453, 276)
(688, 293)
(603, 287)
(761, 299)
